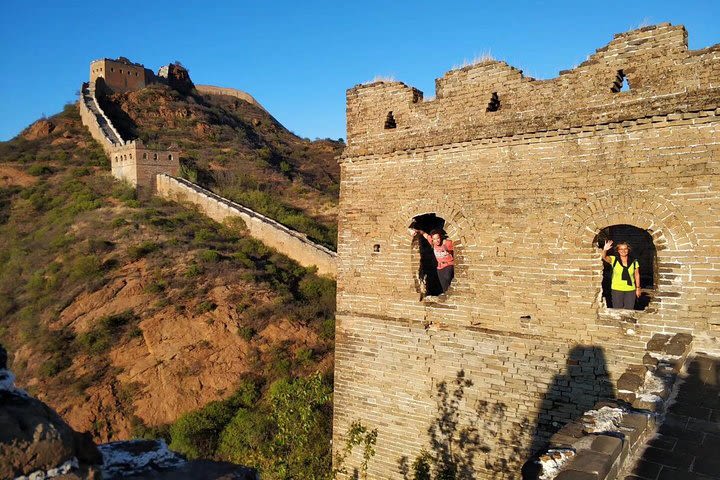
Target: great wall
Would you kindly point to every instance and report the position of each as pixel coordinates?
(154, 171)
(528, 177)
(521, 358)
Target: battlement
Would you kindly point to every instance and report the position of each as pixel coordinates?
(493, 99)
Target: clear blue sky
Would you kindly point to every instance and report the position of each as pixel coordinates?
(297, 58)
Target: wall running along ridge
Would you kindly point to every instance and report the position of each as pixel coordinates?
(522, 342)
(212, 90)
(273, 234)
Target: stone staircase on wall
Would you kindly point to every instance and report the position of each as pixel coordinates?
(95, 120)
(294, 244)
(603, 443)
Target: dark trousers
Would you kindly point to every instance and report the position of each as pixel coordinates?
(445, 275)
(623, 299)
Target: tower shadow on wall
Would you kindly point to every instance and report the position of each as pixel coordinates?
(125, 125)
(464, 441)
(584, 382)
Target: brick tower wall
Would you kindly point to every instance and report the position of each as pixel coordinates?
(522, 341)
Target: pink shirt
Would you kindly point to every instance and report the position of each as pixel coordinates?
(444, 253)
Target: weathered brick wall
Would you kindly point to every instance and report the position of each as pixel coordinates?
(119, 76)
(294, 244)
(524, 190)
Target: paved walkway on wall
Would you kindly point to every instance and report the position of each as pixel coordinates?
(687, 446)
(88, 98)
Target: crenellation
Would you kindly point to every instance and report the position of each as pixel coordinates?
(656, 63)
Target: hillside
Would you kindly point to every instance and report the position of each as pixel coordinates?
(123, 315)
(239, 151)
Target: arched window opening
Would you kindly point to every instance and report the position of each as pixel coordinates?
(144, 155)
(494, 104)
(170, 156)
(390, 121)
(642, 249)
(435, 263)
(154, 156)
(621, 83)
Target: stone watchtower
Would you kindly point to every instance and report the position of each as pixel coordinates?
(527, 177)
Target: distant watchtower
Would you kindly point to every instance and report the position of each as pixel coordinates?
(527, 177)
(120, 75)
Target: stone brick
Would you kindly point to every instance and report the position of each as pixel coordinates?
(629, 381)
(591, 463)
(607, 445)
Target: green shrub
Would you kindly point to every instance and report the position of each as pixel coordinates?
(304, 355)
(195, 434)
(247, 439)
(85, 267)
(246, 333)
(205, 306)
(209, 256)
(193, 270)
(156, 287)
(136, 252)
(39, 169)
(106, 332)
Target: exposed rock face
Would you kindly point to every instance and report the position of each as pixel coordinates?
(178, 78)
(39, 129)
(32, 436)
(36, 443)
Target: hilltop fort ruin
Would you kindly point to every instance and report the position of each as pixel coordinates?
(527, 177)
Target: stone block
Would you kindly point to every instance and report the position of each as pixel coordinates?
(592, 464)
(630, 382)
(611, 446)
(657, 342)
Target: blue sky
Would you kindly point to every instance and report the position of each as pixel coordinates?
(298, 58)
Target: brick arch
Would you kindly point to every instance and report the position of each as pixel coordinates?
(662, 219)
(458, 226)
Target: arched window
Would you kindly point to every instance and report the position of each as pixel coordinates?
(429, 280)
(154, 156)
(642, 249)
(170, 156)
(144, 155)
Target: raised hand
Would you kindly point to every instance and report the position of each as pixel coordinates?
(608, 245)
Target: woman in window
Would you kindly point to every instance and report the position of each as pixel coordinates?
(625, 286)
(444, 255)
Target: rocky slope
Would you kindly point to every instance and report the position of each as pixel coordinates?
(123, 315)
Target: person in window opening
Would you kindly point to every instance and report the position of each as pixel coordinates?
(444, 255)
(625, 286)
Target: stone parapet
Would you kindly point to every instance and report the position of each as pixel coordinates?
(294, 244)
(493, 100)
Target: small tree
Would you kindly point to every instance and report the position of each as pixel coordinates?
(357, 434)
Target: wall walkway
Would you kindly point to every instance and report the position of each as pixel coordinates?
(285, 240)
(95, 120)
